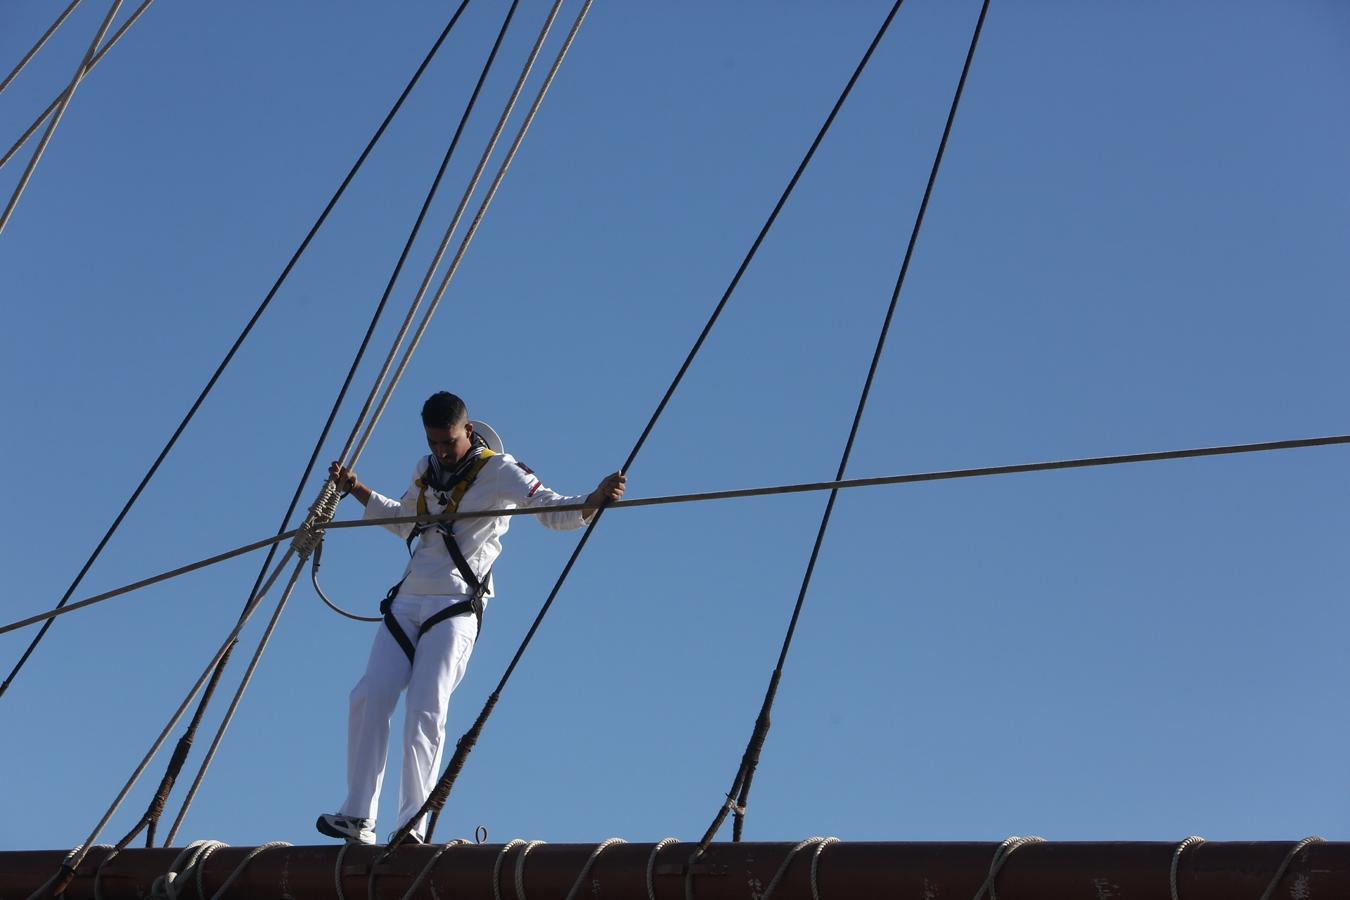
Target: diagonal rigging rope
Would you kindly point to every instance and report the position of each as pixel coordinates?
(85, 70)
(739, 795)
(441, 792)
(238, 342)
(337, 403)
(56, 116)
(807, 487)
(33, 51)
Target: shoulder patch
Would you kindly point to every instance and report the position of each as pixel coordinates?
(524, 468)
(537, 485)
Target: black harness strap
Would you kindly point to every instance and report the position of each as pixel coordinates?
(477, 588)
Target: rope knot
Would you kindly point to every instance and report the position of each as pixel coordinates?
(321, 512)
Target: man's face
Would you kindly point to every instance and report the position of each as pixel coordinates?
(450, 444)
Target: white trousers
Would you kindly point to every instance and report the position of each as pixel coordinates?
(437, 668)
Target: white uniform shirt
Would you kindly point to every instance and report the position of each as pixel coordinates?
(503, 483)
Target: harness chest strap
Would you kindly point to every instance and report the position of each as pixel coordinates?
(478, 588)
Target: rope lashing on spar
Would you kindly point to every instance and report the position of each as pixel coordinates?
(1288, 860)
(497, 867)
(1182, 847)
(188, 867)
(819, 843)
(577, 885)
(1001, 855)
(651, 864)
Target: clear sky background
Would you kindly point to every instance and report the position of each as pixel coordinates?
(1137, 242)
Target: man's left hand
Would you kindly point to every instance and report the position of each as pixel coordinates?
(609, 490)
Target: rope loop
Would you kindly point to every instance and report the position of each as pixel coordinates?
(586, 869)
(651, 864)
(1288, 861)
(820, 843)
(1005, 850)
(426, 870)
(186, 866)
(520, 867)
(497, 867)
(1192, 841)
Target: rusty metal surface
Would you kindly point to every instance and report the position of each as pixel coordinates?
(933, 871)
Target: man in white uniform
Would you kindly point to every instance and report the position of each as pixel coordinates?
(431, 617)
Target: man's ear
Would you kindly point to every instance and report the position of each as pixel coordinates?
(468, 429)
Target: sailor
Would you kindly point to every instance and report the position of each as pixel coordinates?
(432, 616)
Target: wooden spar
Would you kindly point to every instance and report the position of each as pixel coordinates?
(1050, 871)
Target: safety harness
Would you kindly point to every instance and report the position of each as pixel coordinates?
(449, 490)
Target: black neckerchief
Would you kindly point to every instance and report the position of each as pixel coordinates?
(441, 480)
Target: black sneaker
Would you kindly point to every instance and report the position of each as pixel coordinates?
(351, 830)
(412, 838)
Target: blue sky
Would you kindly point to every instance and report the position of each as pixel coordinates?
(1137, 242)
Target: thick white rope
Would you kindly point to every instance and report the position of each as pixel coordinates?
(27, 57)
(238, 870)
(1192, 841)
(1288, 860)
(473, 227)
(185, 867)
(37, 123)
(497, 868)
(60, 111)
(651, 865)
(426, 870)
(520, 867)
(820, 843)
(586, 869)
(1005, 850)
(445, 240)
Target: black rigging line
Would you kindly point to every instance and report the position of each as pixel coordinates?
(441, 792)
(806, 487)
(739, 795)
(234, 348)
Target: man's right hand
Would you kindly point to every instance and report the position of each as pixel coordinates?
(342, 476)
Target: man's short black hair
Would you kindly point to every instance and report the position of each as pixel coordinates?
(444, 410)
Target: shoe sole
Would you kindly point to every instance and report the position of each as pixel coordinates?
(324, 828)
